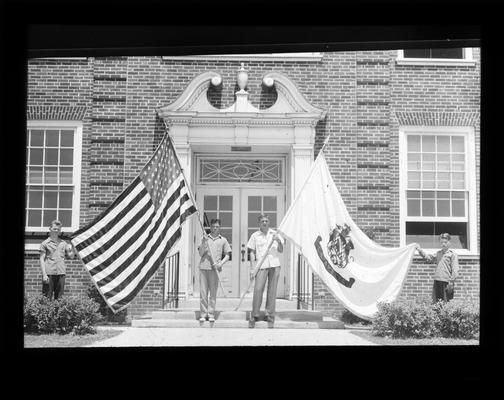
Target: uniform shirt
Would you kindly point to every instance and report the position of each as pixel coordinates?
(219, 246)
(447, 265)
(259, 242)
(54, 252)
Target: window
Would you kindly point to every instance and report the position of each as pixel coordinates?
(437, 187)
(447, 57)
(53, 169)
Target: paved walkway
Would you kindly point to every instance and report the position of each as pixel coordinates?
(171, 337)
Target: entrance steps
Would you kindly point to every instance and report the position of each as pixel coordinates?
(286, 316)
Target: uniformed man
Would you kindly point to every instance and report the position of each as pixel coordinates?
(214, 250)
(447, 269)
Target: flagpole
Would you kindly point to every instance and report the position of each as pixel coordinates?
(195, 206)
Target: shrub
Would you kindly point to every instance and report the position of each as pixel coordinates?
(422, 319)
(407, 318)
(105, 312)
(459, 319)
(349, 318)
(66, 315)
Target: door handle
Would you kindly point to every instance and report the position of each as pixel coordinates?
(243, 253)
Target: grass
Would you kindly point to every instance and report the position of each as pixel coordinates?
(57, 340)
(367, 335)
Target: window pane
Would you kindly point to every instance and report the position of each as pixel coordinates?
(429, 184)
(443, 157)
(51, 156)
(443, 195)
(211, 215)
(458, 167)
(443, 144)
(35, 175)
(226, 219)
(428, 156)
(429, 166)
(272, 219)
(227, 234)
(254, 203)
(428, 195)
(414, 166)
(458, 144)
(458, 157)
(413, 142)
(443, 176)
(428, 208)
(252, 219)
(443, 208)
(413, 176)
(50, 199)
(48, 217)
(66, 157)
(426, 234)
(270, 203)
(428, 143)
(457, 185)
(414, 208)
(226, 203)
(417, 53)
(65, 199)
(210, 203)
(34, 218)
(428, 176)
(35, 198)
(414, 184)
(443, 166)
(36, 156)
(448, 53)
(413, 156)
(413, 194)
(458, 207)
(66, 175)
(51, 175)
(457, 195)
(52, 138)
(67, 138)
(65, 217)
(443, 185)
(37, 138)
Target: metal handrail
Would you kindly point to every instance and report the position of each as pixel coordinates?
(171, 282)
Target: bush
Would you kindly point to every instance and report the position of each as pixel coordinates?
(105, 312)
(459, 319)
(422, 319)
(349, 318)
(74, 315)
(407, 318)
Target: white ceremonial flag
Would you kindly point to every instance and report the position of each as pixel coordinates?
(358, 272)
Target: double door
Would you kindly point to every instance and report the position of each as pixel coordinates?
(238, 209)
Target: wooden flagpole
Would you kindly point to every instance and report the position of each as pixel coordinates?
(195, 205)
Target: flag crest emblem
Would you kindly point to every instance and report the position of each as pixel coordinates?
(339, 246)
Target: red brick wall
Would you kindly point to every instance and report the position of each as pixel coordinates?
(363, 92)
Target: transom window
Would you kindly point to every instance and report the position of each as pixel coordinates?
(52, 175)
(436, 188)
(439, 57)
(456, 52)
(253, 171)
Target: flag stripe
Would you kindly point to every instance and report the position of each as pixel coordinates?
(110, 213)
(112, 235)
(131, 273)
(119, 228)
(146, 240)
(150, 272)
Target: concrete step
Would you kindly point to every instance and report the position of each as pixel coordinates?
(229, 304)
(290, 315)
(327, 323)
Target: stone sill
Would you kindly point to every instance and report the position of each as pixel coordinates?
(313, 57)
(441, 62)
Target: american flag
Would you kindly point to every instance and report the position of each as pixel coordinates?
(124, 246)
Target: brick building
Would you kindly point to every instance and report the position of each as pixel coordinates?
(404, 150)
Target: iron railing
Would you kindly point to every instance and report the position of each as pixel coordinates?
(171, 282)
(304, 285)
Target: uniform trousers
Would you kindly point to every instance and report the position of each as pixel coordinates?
(272, 275)
(208, 292)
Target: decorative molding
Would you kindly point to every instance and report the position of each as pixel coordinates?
(56, 113)
(414, 118)
(307, 57)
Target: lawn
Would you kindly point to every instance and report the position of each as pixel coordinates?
(366, 334)
(56, 340)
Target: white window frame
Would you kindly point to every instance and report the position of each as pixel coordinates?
(468, 59)
(76, 177)
(468, 133)
(302, 56)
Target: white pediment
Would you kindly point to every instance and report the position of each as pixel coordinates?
(193, 102)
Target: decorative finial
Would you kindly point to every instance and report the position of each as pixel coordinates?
(242, 77)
